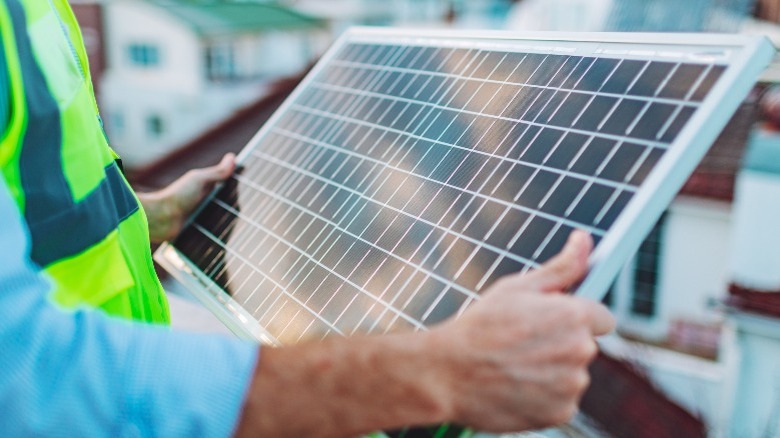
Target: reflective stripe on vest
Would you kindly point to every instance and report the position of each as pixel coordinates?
(87, 228)
(45, 187)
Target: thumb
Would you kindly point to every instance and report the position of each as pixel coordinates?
(219, 172)
(565, 269)
(599, 317)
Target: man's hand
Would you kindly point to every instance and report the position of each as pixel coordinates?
(518, 358)
(168, 208)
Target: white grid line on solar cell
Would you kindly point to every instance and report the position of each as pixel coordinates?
(218, 242)
(292, 205)
(657, 144)
(302, 252)
(583, 177)
(619, 188)
(502, 252)
(270, 233)
(384, 66)
(651, 99)
(373, 244)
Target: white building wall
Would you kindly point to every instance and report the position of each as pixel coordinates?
(284, 53)
(756, 255)
(135, 21)
(756, 396)
(420, 11)
(695, 259)
(176, 90)
(184, 118)
(341, 14)
(559, 15)
(132, 94)
(693, 269)
(246, 49)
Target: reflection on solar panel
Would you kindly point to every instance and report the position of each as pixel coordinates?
(408, 173)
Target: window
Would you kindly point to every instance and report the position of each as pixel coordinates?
(155, 126)
(646, 274)
(221, 63)
(144, 55)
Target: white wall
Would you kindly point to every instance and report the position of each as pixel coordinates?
(185, 117)
(135, 21)
(756, 256)
(559, 15)
(756, 400)
(282, 53)
(342, 14)
(420, 11)
(177, 90)
(694, 268)
(171, 90)
(695, 259)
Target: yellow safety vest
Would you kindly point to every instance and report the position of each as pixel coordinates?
(88, 231)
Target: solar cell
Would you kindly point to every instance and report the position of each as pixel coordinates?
(410, 171)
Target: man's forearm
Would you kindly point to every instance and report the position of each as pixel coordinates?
(516, 360)
(347, 387)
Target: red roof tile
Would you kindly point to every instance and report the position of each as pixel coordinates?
(626, 404)
(716, 174)
(755, 301)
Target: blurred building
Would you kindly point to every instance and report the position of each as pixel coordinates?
(341, 14)
(630, 15)
(90, 16)
(559, 15)
(176, 68)
(718, 242)
(664, 299)
(482, 14)
(755, 288)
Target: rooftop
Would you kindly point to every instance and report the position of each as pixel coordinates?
(755, 301)
(623, 402)
(716, 175)
(229, 136)
(214, 18)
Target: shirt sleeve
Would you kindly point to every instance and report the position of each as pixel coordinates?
(84, 374)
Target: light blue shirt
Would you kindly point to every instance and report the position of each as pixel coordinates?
(84, 374)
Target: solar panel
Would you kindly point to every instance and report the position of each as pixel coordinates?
(411, 169)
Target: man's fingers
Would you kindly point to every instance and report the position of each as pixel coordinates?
(565, 269)
(601, 319)
(221, 171)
